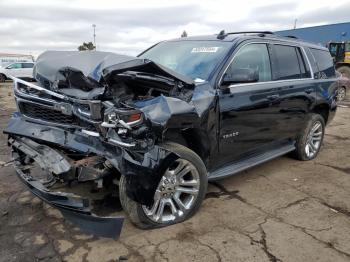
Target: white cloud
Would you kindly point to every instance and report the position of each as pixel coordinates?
(131, 26)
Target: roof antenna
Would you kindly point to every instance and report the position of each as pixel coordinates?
(221, 35)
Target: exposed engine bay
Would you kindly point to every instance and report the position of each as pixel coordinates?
(110, 93)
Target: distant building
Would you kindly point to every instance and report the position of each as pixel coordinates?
(320, 34)
(6, 59)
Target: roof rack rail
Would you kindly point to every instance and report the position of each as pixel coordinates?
(222, 33)
(252, 32)
(292, 36)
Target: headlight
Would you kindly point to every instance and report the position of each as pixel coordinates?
(122, 118)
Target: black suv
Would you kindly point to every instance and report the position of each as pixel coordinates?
(155, 128)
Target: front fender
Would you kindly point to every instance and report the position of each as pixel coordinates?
(143, 174)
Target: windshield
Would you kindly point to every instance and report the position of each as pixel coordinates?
(333, 49)
(195, 59)
(347, 47)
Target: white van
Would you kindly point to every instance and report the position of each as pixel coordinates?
(19, 70)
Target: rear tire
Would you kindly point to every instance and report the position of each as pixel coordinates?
(2, 78)
(309, 142)
(344, 70)
(341, 93)
(142, 216)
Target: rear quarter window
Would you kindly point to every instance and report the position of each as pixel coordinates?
(324, 62)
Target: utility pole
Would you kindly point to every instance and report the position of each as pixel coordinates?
(94, 26)
(295, 23)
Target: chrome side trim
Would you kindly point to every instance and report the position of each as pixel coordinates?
(120, 143)
(269, 82)
(90, 133)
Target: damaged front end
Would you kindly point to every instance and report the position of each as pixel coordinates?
(91, 118)
(74, 208)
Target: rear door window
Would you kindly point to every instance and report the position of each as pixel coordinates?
(324, 62)
(287, 62)
(304, 66)
(27, 65)
(312, 62)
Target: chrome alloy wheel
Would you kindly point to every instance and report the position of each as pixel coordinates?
(313, 141)
(176, 193)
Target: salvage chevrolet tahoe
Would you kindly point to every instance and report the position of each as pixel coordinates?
(156, 128)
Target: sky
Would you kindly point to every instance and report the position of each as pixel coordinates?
(129, 27)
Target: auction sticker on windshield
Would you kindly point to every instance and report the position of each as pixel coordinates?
(211, 49)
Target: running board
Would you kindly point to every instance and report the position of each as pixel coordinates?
(249, 162)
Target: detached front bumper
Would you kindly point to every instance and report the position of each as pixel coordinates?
(74, 208)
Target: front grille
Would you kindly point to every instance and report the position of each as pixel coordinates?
(49, 115)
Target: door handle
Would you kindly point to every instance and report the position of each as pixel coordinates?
(309, 91)
(273, 97)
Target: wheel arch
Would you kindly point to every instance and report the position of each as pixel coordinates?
(1, 73)
(323, 110)
(191, 138)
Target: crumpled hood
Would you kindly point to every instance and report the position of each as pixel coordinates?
(89, 70)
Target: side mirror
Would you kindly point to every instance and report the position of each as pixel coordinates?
(241, 75)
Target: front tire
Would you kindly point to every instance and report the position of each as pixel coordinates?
(309, 142)
(2, 78)
(179, 194)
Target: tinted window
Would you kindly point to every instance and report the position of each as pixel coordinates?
(287, 62)
(253, 56)
(324, 62)
(304, 66)
(347, 47)
(333, 49)
(27, 65)
(14, 66)
(312, 62)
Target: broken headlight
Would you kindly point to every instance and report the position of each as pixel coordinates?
(126, 127)
(122, 118)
